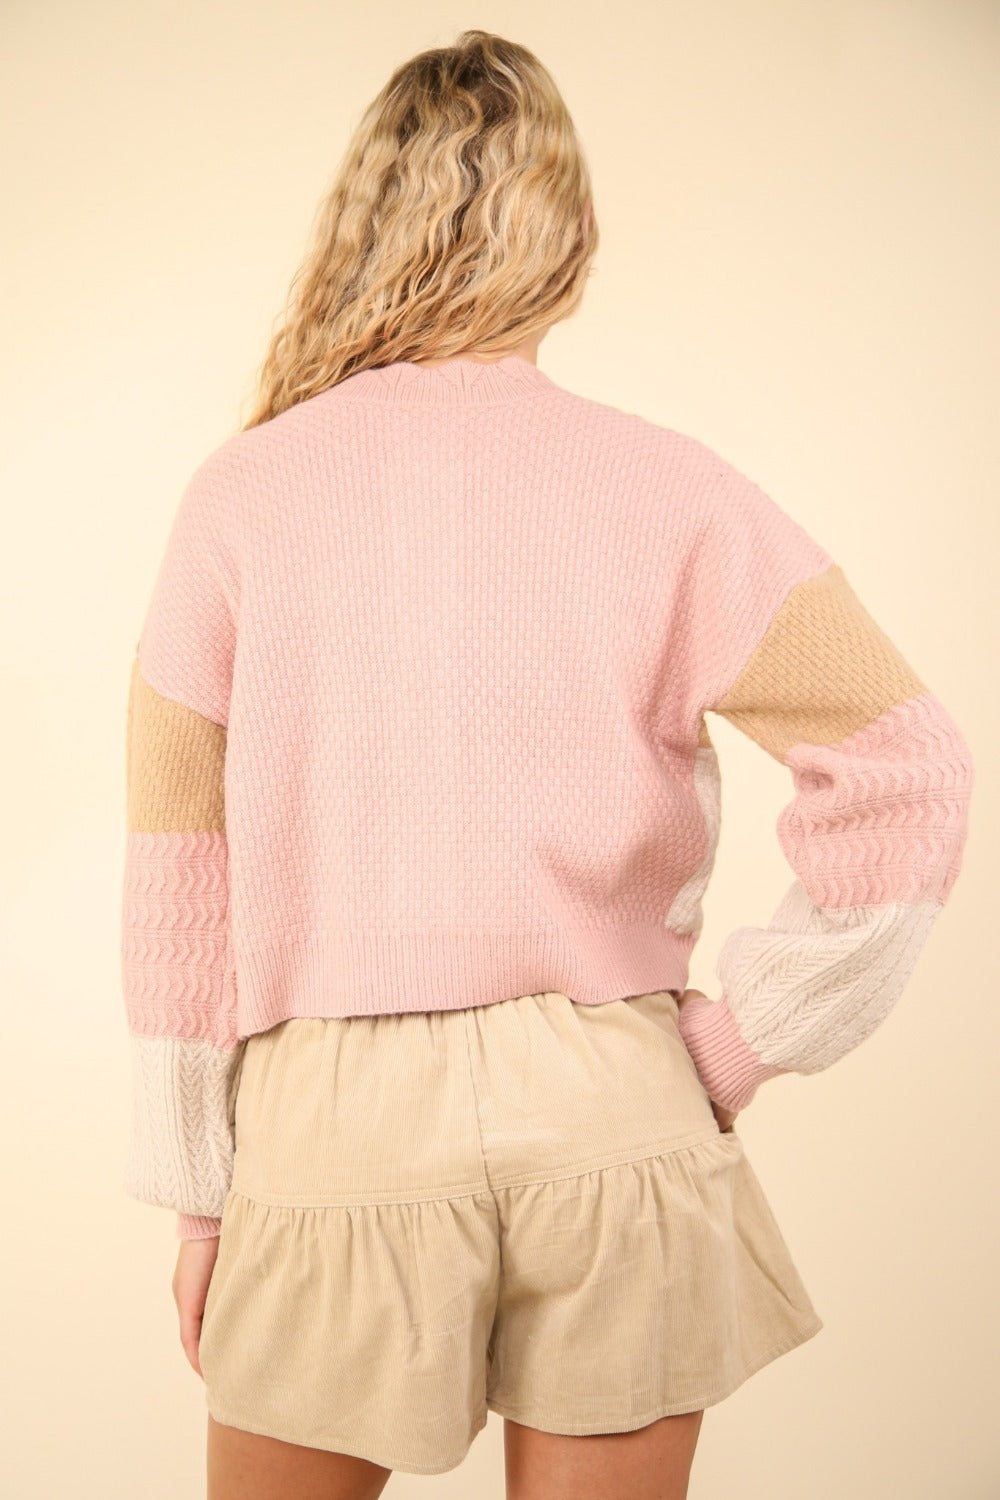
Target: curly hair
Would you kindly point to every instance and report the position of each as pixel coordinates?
(459, 220)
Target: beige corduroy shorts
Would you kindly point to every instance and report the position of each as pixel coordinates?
(525, 1207)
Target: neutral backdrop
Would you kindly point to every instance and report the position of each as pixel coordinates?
(799, 210)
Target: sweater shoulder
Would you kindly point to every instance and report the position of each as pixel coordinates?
(660, 460)
(215, 480)
(630, 426)
(681, 456)
(221, 487)
(673, 468)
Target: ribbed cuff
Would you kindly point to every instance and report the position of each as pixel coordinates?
(729, 1069)
(197, 1226)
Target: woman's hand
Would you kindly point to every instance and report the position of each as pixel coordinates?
(195, 1262)
(725, 1117)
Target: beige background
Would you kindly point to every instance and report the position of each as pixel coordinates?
(799, 206)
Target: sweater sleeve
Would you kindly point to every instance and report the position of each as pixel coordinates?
(177, 970)
(784, 650)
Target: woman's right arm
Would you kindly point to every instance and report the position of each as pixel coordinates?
(876, 829)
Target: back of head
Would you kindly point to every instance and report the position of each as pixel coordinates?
(460, 219)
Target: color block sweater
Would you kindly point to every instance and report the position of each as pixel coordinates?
(417, 720)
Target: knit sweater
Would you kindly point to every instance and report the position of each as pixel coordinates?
(417, 721)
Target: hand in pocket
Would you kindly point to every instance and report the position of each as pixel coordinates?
(724, 1117)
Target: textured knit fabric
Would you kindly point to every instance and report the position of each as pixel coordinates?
(417, 721)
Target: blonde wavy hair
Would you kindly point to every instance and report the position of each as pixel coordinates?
(460, 220)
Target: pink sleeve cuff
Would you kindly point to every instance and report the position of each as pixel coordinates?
(197, 1226)
(729, 1069)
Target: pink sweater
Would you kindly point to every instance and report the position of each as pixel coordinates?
(417, 721)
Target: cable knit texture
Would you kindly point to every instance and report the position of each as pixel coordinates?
(417, 720)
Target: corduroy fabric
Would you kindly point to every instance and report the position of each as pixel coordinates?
(526, 1207)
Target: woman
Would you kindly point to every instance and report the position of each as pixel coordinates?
(422, 807)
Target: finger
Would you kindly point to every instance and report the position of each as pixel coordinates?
(190, 1337)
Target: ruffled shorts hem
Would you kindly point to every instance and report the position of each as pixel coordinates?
(338, 1445)
(547, 1422)
(530, 1416)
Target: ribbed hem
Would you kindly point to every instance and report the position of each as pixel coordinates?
(729, 1069)
(371, 973)
(459, 381)
(197, 1227)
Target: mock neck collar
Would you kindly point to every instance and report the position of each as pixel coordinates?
(458, 381)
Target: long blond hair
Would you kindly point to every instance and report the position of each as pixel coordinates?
(459, 220)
